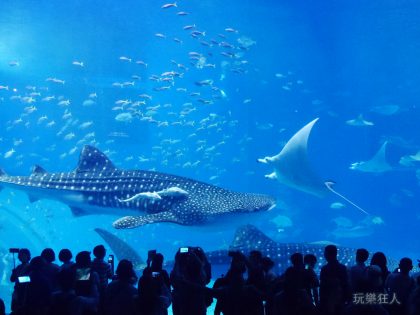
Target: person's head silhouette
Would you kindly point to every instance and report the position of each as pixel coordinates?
(330, 253)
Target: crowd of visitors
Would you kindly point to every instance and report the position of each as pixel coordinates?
(249, 287)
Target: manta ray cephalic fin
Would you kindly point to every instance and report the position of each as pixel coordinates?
(130, 222)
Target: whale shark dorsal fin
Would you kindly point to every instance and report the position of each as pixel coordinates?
(38, 170)
(292, 167)
(120, 248)
(248, 236)
(91, 159)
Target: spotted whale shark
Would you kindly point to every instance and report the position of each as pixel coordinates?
(141, 197)
(248, 238)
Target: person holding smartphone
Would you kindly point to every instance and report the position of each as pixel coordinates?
(24, 256)
(156, 266)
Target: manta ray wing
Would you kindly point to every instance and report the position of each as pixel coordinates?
(292, 167)
(377, 164)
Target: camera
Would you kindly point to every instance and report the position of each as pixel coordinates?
(14, 250)
(155, 274)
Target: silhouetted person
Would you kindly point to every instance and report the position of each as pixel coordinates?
(38, 291)
(154, 297)
(295, 299)
(379, 259)
(102, 268)
(104, 271)
(51, 269)
(401, 285)
(357, 273)
(311, 279)
(188, 279)
(157, 266)
(255, 269)
(120, 294)
(295, 274)
(87, 282)
(370, 285)
(417, 274)
(2, 308)
(65, 301)
(414, 300)
(65, 257)
(334, 287)
(21, 270)
(230, 289)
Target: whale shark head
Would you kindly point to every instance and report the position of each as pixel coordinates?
(248, 203)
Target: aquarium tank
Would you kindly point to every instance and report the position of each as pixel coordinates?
(161, 125)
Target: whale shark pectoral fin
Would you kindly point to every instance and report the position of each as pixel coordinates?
(130, 222)
(78, 212)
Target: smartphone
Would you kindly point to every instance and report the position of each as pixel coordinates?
(155, 274)
(306, 267)
(110, 259)
(24, 279)
(13, 250)
(183, 250)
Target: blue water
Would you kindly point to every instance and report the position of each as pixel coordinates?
(306, 59)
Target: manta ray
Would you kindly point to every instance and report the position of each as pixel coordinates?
(143, 197)
(248, 238)
(377, 164)
(292, 167)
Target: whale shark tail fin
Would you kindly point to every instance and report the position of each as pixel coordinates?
(121, 249)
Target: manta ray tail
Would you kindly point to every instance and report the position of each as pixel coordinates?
(330, 184)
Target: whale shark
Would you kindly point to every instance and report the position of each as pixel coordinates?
(292, 167)
(141, 197)
(248, 238)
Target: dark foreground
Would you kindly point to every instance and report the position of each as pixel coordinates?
(249, 287)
